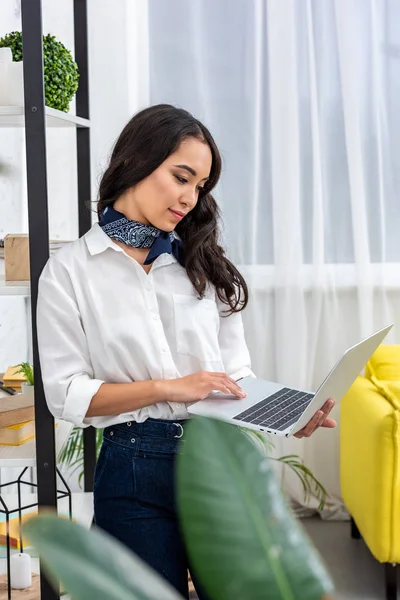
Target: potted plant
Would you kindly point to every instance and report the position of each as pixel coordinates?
(61, 75)
(27, 370)
(240, 533)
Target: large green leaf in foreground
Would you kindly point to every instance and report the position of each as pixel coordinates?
(91, 565)
(243, 540)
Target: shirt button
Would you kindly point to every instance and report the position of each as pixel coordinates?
(156, 317)
(177, 405)
(148, 288)
(163, 349)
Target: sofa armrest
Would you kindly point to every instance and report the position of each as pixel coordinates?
(369, 467)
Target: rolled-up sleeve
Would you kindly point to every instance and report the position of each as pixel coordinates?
(233, 346)
(67, 372)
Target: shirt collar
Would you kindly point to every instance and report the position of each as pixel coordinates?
(98, 241)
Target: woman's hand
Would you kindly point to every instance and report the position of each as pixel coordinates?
(198, 386)
(320, 419)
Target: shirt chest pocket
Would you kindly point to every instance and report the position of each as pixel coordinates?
(196, 327)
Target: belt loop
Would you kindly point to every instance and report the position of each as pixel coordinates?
(180, 430)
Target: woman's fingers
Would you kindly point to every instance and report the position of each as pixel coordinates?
(233, 389)
(226, 377)
(320, 419)
(227, 385)
(330, 423)
(311, 425)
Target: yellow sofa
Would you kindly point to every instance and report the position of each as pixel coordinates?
(370, 459)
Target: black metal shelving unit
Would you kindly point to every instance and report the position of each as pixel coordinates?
(35, 133)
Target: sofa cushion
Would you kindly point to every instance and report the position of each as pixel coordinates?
(390, 390)
(385, 363)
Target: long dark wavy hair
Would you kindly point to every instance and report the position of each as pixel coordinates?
(145, 142)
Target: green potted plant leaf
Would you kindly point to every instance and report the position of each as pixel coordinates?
(241, 535)
(90, 565)
(72, 453)
(27, 370)
(61, 75)
(258, 549)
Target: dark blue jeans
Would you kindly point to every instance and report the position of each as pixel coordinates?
(134, 495)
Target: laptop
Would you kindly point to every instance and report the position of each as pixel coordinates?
(281, 410)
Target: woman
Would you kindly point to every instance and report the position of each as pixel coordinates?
(141, 316)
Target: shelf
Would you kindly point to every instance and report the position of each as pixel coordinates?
(14, 116)
(14, 288)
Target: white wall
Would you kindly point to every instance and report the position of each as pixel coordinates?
(118, 88)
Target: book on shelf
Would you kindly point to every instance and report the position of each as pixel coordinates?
(16, 409)
(15, 435)
(11, 378)
(14, 528)
(18, 434)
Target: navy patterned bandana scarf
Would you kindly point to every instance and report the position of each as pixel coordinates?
(138, 235)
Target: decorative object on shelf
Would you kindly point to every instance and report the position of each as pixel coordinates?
(15, 529)
(16, 409)
(61, 75)
(7, 390)
(11, 80)
(18, 434)
(15, 435)
(26, 370)
(12, 378)
(20, 571)
(223, 479)
(16, 255)
(27, 388)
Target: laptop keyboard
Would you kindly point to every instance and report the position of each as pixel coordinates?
(278, 411)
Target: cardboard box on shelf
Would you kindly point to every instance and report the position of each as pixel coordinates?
(16, 255)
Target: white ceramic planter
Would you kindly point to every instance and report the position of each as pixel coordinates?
(11, 80)
(27, 388)
(16, 84)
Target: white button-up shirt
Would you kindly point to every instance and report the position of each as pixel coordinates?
(102, 318)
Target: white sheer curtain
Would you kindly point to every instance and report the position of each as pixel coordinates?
(302, 97)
